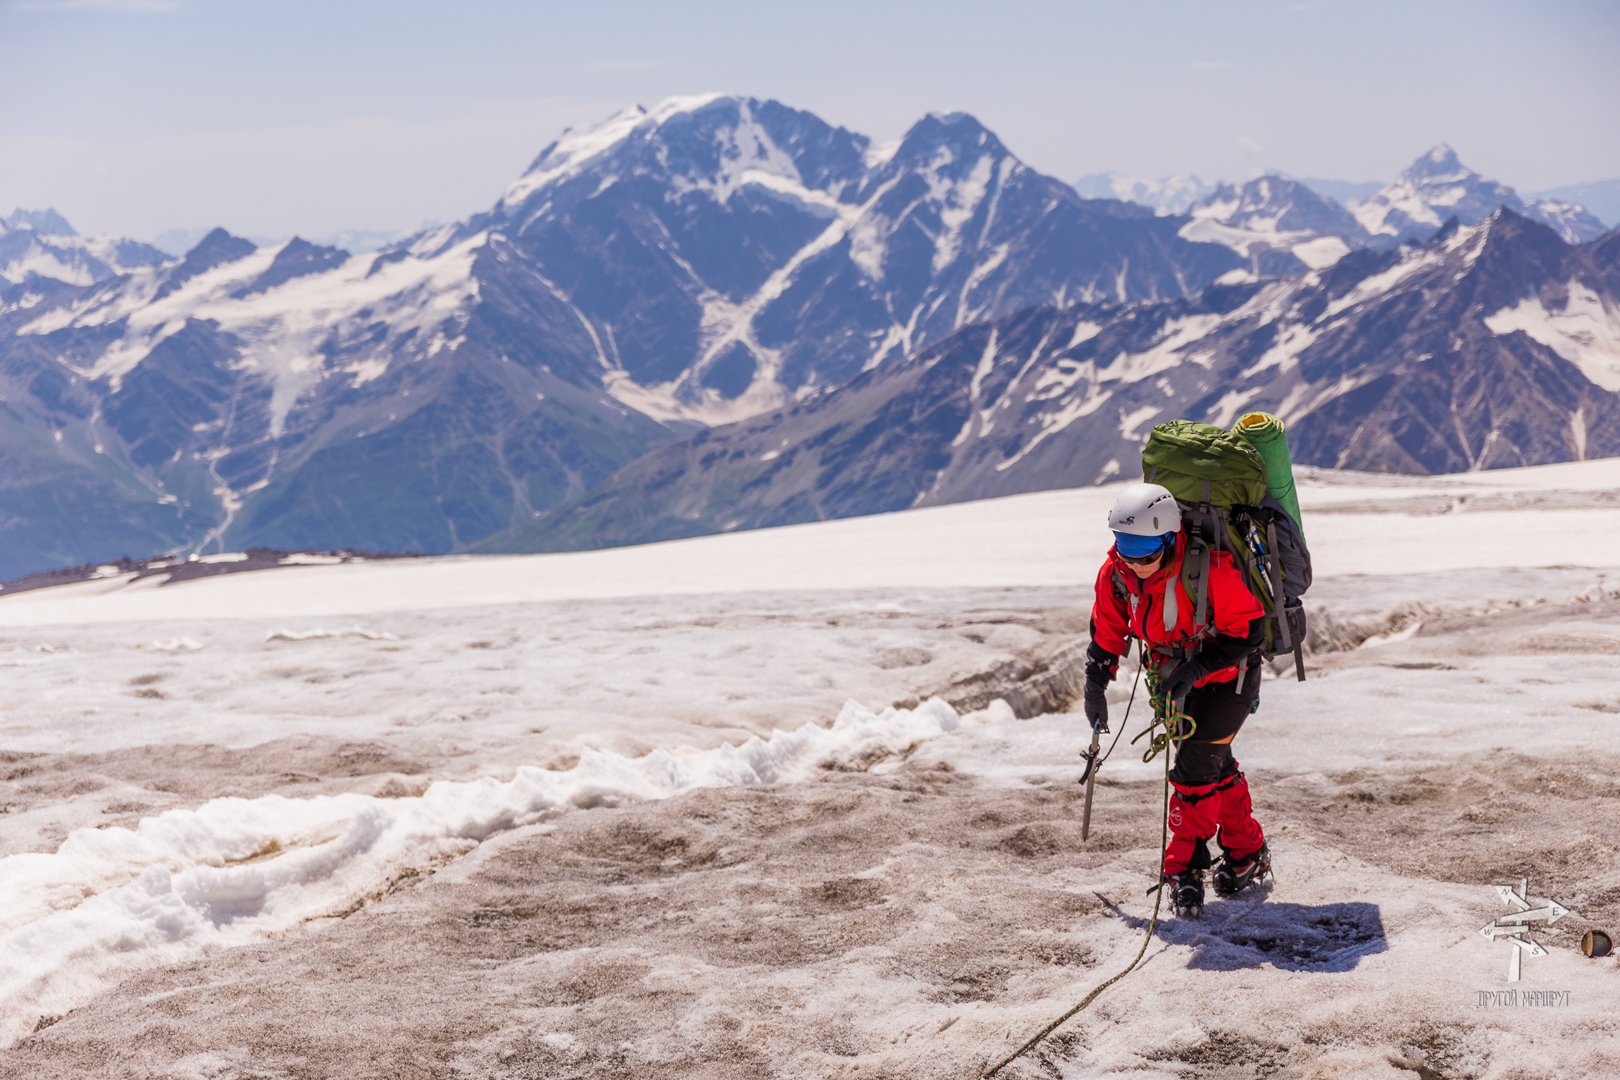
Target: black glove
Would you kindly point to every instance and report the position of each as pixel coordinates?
(1096, 701)
(1220, 651)
(1100, 667)
(1100, 663)
(1179, 683)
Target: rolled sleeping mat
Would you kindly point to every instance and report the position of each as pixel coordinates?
(1266, 434)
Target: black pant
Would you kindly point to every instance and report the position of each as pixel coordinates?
(1218, 711)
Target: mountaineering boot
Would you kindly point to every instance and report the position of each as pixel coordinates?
(1186, 893)
(1234, 875)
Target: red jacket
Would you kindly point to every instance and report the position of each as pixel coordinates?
(1230, 606)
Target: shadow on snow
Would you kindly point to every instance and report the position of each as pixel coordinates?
(1245, 933)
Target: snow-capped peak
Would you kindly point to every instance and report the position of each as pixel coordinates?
(576, 149)
(40, 243)
(1570, 220)
(1434, 187)
(45, 222)
(1274, 212)
(950, 142)
(1440, 160)
(1260, 203)
(1438, 185)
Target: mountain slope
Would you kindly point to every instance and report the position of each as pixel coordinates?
(1491, 346)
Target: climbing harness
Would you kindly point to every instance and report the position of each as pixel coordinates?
(1169, 725)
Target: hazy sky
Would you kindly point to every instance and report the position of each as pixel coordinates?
(279, 116)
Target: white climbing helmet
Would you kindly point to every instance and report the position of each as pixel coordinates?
(1145, 510)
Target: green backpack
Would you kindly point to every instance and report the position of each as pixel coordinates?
(1231, 501)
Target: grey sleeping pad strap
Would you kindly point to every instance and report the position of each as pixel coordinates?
(1285, 640)
(1285, 632)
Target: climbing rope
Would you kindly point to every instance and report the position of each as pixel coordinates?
(1169, 725)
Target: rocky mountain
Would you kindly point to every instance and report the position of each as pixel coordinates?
(1280, 226)
(177, 242)
(41, 244)
(695, 263)
(45, 222)
(296, 397)
(1569, 220)
(1600, 197)
(1490, 345)
(1438, 186)
(1167, 195)
(804, 255)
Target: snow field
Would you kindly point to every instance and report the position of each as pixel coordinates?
(944, 911)
(912, 923)
(1382, 525)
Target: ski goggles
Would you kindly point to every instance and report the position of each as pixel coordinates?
(1138, 549)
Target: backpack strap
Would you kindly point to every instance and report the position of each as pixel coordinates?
(1195, 576)
(1123, 593)
(1195, 579)
(1285, 641)
(1201, 606)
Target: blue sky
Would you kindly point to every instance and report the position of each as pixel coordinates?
(134, 116)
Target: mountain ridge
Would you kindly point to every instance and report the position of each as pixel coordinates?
(1366, 377)
(700, 261)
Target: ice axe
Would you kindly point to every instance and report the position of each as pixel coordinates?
(1089, 778)
(1094, 757)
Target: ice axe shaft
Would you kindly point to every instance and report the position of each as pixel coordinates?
(1091, 781)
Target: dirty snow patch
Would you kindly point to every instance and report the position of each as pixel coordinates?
(232, 871)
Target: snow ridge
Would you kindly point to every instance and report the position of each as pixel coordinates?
(232, 871)
(570, 154)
